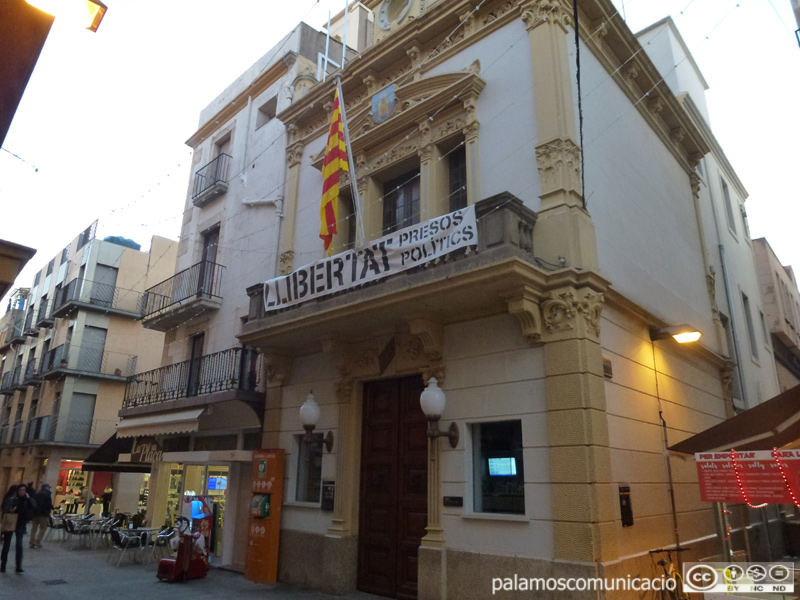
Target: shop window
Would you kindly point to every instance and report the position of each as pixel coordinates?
(401, 202)
(498, 470)
(309, 468)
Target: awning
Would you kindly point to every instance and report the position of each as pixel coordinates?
(106, 457)
(772, 424)
(180, 421)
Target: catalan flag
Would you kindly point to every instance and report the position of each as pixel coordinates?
(335, 162)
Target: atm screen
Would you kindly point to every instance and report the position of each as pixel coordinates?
(502, 467)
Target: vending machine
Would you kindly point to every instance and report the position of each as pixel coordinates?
(261, 564)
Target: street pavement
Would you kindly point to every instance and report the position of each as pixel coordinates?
(70, 572)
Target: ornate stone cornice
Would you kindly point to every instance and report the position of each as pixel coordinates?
(294, 154)
(286, 262)
(278, 369)
(431, 334)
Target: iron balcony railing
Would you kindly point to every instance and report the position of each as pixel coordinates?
(214, 172)
(202, 280)
(16, 432)
(40, 429)
(31, 374)
(233, 369)
(71, 430)
(43, 317)
(16, 335)
(5, 383)
(16, 377)
(29, 328)
(93, 293)
(86, 360)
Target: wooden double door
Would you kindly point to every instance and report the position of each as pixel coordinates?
(393, 510)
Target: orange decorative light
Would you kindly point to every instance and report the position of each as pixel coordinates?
(86, 13)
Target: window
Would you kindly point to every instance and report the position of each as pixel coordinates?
(37, 278)
(309, 468)
(726, 195)
(50, 266)
(764, 327)
(457, 167)
(498, 469)
(751, 332)
(744, 220)
(267, 112)
(401, 205)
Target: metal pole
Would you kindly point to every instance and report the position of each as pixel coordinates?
(327, 46)
(344, 40)
(351, 162)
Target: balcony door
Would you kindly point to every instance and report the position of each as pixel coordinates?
(195, 364)
(105, 282)
(205, 282)
(78, 429)
(92, 348)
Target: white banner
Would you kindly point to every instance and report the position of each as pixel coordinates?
(399, 251)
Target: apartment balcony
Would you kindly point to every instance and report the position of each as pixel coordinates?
(500, 276)
(16, 378)
(16, 432)
(91, 295)
(230, 375)
(5, 383)
(29, 328)
(66, 430)
(4, 434)
(30, 375)
(16, 335)
(69, 359)
(211, 180)
(43, 316)
(184, 296)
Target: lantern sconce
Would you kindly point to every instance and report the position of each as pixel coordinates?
(309, 417)
(432, 400)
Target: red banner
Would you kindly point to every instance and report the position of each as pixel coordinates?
(755, 477)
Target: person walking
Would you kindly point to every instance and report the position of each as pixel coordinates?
(88, 498)
(16, 502)
(41, 518)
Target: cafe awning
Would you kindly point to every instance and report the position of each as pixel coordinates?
(106, 457)
(178, 421)
(771, 424)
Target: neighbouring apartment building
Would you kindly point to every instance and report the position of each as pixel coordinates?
(493, 244)
(782, 312)
(67, 345)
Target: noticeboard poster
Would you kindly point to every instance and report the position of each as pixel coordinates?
(755, 477)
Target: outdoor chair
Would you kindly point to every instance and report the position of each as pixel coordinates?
(76, 530)
(123, 542)
(161, 542)
(55, 525)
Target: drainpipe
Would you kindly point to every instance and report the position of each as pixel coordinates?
(736, 354)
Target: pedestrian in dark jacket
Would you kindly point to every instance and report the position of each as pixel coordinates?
(41, 518)
(16, 501)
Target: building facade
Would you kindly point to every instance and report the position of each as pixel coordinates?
(68, 347)
(782, 308)
(587, 226)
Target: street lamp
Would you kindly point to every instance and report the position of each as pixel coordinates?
(88, 13)
(309, 417)
(680, 333)
(432, 400)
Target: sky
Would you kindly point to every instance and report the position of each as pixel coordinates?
(100, 132)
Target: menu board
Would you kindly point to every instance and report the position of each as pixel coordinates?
(756, 477)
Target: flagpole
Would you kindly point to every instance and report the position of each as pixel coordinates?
(351, 162)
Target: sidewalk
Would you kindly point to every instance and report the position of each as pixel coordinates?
(80, 573)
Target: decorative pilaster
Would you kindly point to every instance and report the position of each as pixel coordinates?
(294, 154)
(277, 370)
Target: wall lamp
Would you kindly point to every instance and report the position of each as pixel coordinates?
(432, 401)
(309, 417)
(682, 334)
(87, 13)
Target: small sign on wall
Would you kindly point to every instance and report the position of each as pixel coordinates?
(328, 495)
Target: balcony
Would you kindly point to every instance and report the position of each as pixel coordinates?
(66, 430)
(230, 370)
(5, 383)
(4, 434)
(108, 299)
(16, 379)
(184, 296)
(30, 375)
(16, 336)
(16, 432)
(29, 329)
(69, 359)
(211, 180)
(43, 317)
(502, 276)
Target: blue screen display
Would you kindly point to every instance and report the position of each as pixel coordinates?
(502, 467)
